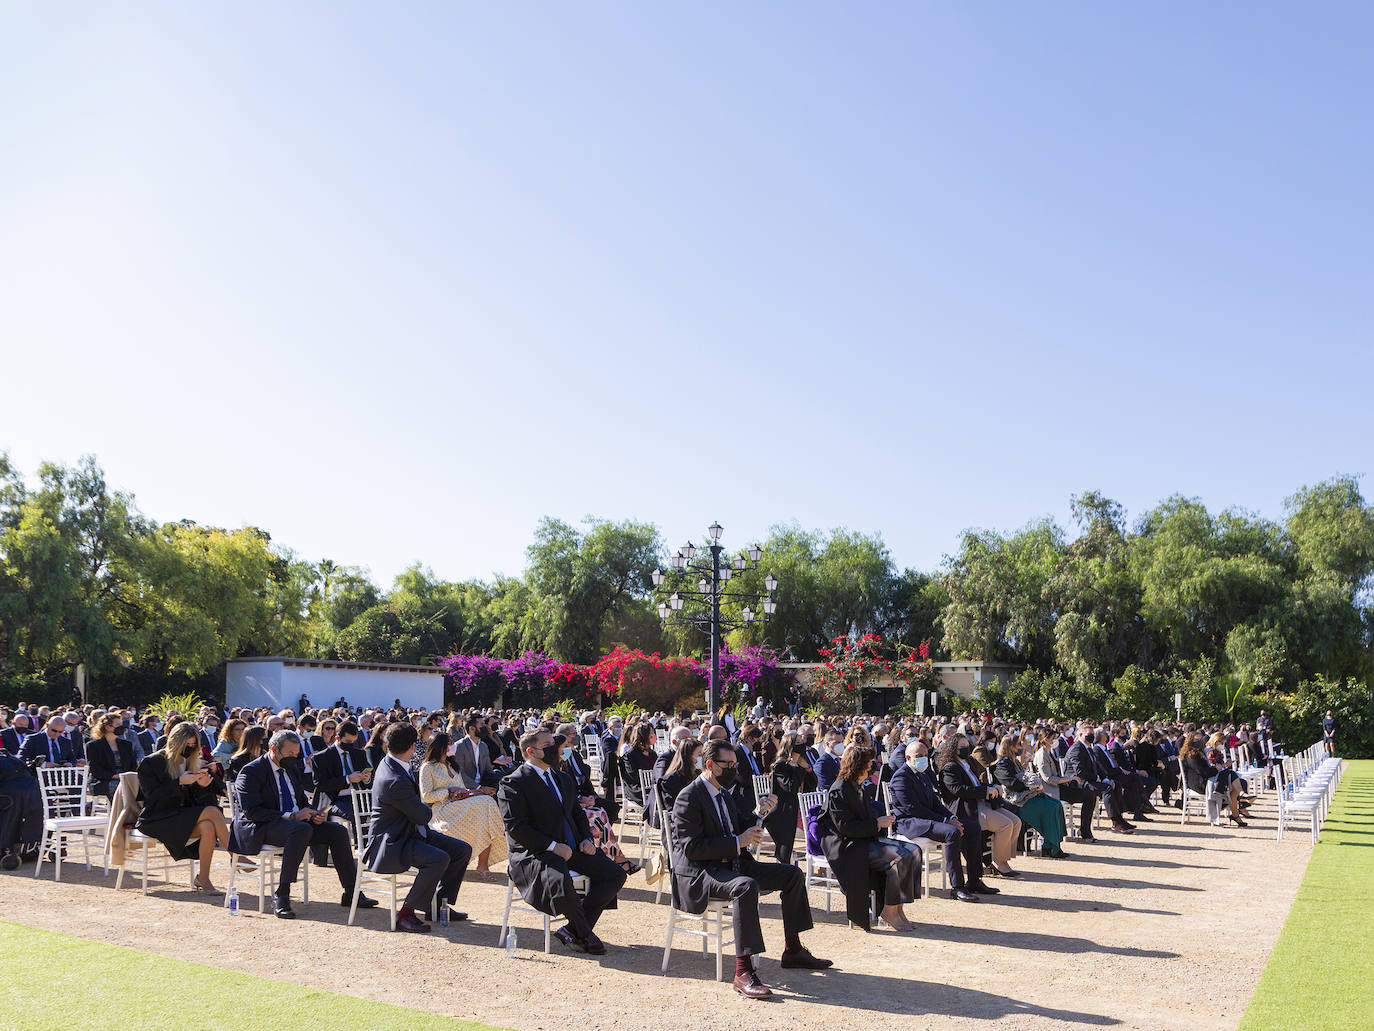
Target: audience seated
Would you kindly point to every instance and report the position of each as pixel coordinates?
(469, 814)
(919, 813)
(973, 800)
(181, 803)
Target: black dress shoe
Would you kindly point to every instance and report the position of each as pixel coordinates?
(801, 959)
(963, 895)
(411, 924)
(282, 907)
(566, 937)
(363, 901)
(983, 888)
(1007, 873)
(593, 946)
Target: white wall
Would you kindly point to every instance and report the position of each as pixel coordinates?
(279, 686)
(251, 685)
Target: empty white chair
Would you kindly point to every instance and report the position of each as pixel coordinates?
(65, 820)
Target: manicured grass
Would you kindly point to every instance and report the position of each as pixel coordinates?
(1318, 972)
(96, 987)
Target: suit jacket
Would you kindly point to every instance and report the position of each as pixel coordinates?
(100, 760)
(330, 778)
(260, 804)
(962, 790)
(632, 763)
(10, 740)
(473, 768)
(581, 774)
(827, 769)
(702, 845)
(535, 819)
(1079, 762)
(399, 816)
(35, 751)
(148, 741)
(77, 739)
(916, 804)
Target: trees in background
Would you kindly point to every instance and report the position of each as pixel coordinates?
(1227, 609)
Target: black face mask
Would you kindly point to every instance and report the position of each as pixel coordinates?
(966, 752)
(188, 751)
(725, 775)
(117, 731)
(293, 763)
(550, 755)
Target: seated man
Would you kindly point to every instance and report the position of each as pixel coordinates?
(21, 813)
(272, 810)
(828, 764)
(402, 837)
(548, 836)
(711, 860)
(49, 747)
(339, 769)
(1079, 762)
(919, 813)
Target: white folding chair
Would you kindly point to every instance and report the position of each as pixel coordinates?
(388, 884)
(698, 924)
(593, 746)
(646, 787)
(63, 790)
(1192, 798)
(264, 871)
(514, 900)
(819, 876)
(631, 812)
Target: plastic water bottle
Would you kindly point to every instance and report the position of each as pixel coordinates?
(510, 945)
(234, 902)
(443, 914)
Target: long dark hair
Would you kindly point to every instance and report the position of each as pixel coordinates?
(253, 742)
(683, 759)
(437, 750)
(789, 746)
(856, 764)
(948, 752)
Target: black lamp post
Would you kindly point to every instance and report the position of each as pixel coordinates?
(703, 612)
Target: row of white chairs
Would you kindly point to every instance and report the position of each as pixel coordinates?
(1307, 783)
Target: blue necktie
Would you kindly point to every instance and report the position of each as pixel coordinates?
(567, 827)
(287, 804)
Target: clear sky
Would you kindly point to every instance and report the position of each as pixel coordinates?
(393, 281)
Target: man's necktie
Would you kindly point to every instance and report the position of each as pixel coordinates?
(569, 838)
(287, 805)
(52, 750)
(348, 768)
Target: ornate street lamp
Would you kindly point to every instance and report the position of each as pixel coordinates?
(713, 578)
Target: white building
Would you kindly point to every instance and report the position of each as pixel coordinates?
(278, 683)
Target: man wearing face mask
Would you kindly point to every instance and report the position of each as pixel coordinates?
(549, 840)
(919, 813)
(828, 765)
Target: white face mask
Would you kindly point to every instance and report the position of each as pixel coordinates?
(837, 749)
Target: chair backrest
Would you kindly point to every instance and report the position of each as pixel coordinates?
(646, 783)
(362, 817)
(886, 787)
(665, 825)
(593, 744)
(63, 789)
(763, 784)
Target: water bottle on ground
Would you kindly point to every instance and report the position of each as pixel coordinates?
(510, 945)
(443, 914)
(234, 902)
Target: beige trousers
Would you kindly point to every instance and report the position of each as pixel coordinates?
(1004, 829)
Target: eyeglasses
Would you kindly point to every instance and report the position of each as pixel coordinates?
(723, 766)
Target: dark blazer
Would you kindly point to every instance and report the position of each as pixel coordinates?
(35, 751)
(100, 760)
(330, 778)
(259, 804)
(398, 814)
(851, 826)
(788, 781)
(147, 741)
(535, 819)
(827, 769)
(163, 796)
(576, 767)
(961, 791)
(742, 790)
(610, 765)
(10, 741)
(631, 764)
(236, 765)
(77, 739)
(703, 845)
(915, 804)
(1079, 762)
(1197, 771)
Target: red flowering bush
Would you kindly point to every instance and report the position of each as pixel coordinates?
(852, 666)
(651, 680)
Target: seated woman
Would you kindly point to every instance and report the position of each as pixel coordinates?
(229, 737)
(639, 756)
(252, 744)
(375, 750)
(108, 755)
(1024, 789)
(180, 803)
(1197, 771)
(469, 815)
(859, 854)
(603, 832)
(684, 766)
(788, 778)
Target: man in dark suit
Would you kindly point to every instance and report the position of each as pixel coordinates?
(339, 769)
(1079, 762)
(272, 810)
(473, 757)
(610, 767)
(919, 813)
(147, 737)
(1138, 784)
(1124, 791)
(75, 731)
(49, 747)
(12, 737)
(711, 839)
(550, 839)
(402, 837)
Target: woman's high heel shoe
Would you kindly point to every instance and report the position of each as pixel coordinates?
(203, 885)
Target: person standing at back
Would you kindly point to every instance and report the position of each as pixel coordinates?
(1329, 732)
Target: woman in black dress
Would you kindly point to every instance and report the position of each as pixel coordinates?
(252, 744)
(107, 754)
(788, 779)
(180, 803)
(639, 757)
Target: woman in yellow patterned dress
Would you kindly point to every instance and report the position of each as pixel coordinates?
(470, 816)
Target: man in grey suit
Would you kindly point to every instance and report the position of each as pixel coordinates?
(473, 757)
(402, 837)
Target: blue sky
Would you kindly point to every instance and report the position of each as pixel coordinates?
(395, 281)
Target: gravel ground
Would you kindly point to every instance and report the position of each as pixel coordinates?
(1106, 938)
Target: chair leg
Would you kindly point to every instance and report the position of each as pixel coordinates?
(668, 941)
(505, 919)
(719, 939)
(548, 935)
(394, 891)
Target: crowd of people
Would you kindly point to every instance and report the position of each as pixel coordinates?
(544, 795)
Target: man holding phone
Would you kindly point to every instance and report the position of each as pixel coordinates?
(272, 810)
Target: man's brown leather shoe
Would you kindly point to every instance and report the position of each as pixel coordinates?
(413, 924)
(751, 987)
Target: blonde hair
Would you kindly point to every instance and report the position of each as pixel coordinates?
(99, 724)
(181, 735)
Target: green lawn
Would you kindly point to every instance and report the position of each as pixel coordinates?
(104, 986)
(1318, 973)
